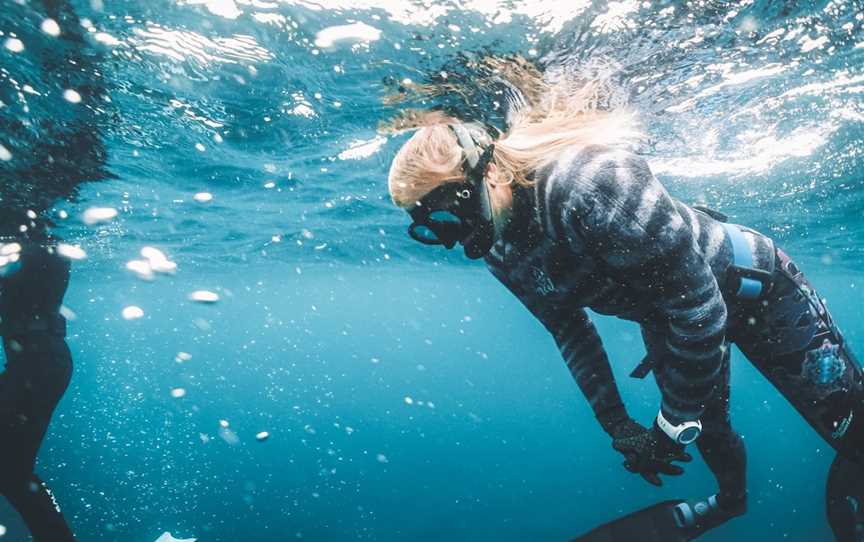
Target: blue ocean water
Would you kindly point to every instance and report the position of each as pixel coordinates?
(407, 396)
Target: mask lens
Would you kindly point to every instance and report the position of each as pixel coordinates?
(423, 234)
(439, 228)
(444, 217)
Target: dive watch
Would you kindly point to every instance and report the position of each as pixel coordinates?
(684, 433)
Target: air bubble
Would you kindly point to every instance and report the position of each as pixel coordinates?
(50, 27)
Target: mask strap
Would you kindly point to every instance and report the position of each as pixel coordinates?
(472, 156)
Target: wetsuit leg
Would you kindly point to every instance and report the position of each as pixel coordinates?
(845, 500)
(790, 337)
(721, 447)
(38, 370)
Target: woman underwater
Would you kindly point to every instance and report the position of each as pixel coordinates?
(569, 219)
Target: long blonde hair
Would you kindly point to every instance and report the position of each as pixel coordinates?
(547, 119)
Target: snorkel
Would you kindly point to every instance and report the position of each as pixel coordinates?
(466, 206)
(482, 235)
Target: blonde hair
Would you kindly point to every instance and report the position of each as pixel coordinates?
(548, 119)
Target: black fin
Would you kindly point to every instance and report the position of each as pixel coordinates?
(653, 524)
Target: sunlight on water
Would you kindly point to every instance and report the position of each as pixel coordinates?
(181, 45)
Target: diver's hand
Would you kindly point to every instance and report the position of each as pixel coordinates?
(648, 452)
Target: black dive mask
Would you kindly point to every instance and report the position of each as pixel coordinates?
(459, 212)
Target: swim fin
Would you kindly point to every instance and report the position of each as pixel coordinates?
(653, 524)
(667, 521)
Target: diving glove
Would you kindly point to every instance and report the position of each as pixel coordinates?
(648, 452)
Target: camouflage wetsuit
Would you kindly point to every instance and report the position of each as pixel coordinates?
(598, 231)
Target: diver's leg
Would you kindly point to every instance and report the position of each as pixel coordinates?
(845, 500)
(40, 512)
(38, 370)
(791, 338)
(723, 450)
(720, 446)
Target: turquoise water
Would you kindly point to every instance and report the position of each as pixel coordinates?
(406, 395)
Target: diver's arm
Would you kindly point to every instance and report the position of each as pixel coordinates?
(635, 228)
(582, 349)
(583, 353)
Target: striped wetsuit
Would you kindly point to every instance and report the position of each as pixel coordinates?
(597, 230)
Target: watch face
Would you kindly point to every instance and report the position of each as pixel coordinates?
(689, 435)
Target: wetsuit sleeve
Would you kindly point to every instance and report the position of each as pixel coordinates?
(582, 349)
(640, 238)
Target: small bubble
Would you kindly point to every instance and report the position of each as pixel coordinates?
(262, 436)
(177, 393)
(132, 312)
(200, 147)
(2, 530)
(381, 458)
(223, 423)
(95, 215)
(204, 296)
(158, 261)
(5, 154)
(229, 436)
(72, 252)
(50, 27)
(203, 197)
(14, 44)
(409, 400)
(141, 268)
(71, 96)
(182, 357)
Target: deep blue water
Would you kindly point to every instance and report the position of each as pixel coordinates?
(407, 395)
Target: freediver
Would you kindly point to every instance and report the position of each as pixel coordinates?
(50, 145)
(569, 219)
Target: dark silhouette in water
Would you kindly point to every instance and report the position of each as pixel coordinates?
(51, 99)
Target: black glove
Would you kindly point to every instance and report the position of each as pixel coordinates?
(649, 452)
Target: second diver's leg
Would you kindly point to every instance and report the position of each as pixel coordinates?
(39, 510)
(38, 371)
(39, 374)
(791, 338)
